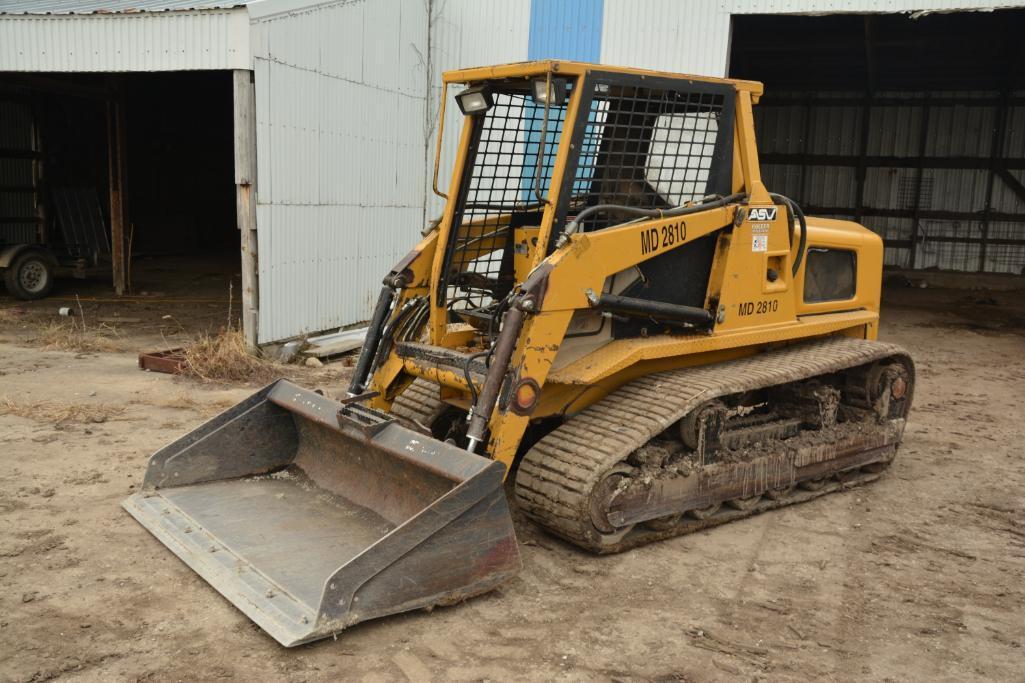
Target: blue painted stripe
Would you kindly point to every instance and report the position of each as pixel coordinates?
(559, 29)
(565, 29)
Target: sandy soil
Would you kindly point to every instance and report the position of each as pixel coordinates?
(920, 576)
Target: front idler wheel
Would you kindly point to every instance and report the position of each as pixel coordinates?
(603, 496)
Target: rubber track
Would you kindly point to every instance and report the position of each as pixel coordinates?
(556, 476)
(420, 404)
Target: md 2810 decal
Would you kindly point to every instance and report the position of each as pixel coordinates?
(655, 239)
(757, 307)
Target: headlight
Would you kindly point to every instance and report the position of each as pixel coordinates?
(553, 96)
(475, 100)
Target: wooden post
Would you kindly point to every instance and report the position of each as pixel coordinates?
(802, 197)
(38, 196)
(116, 166)
(916, 214)
(996, 150)
(245, 200)
(866, 118)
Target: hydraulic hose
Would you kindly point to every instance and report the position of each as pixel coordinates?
(373, 340)
(794, 211)
(466, 374)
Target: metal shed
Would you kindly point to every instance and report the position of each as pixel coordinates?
(931, 159)
(334, 106)
(328, 131)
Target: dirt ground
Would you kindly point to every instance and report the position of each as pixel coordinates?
(172, 300)
(920, 576)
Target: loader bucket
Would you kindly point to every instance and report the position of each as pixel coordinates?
(310, 515)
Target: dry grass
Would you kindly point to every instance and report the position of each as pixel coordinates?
(58, 411)
(185, 401)
(67, 335)
(11, 315)
(223, 358)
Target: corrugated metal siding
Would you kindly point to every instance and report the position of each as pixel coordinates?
(340, 99)
(686, 37)
(16, 134)
(953, 131)
(565, 29)
(840, 6)
(172, 41)
(467, 33)
(107, 6)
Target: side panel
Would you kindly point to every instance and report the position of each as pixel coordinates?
(665, 35)
(341, 104)
(467, 33)
(129, 41)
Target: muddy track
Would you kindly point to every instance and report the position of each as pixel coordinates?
(558, 476)
(420, 404)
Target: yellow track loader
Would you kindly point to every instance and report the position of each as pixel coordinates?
(613, 312)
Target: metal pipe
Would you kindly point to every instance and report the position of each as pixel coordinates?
(542, 143)
(644, 308)
(373, 340)
(437, 144)
(480, 412)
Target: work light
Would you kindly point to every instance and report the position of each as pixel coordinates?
(553, 96)
(474, 100)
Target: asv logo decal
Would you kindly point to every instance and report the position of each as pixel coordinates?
(762, 214)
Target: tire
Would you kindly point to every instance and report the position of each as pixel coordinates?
(30, 275)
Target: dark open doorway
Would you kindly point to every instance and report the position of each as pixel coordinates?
(166, 141)
(913, 125)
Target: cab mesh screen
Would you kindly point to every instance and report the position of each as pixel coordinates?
(649, 148)
(498, 194)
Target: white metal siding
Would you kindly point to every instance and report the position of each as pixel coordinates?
(340, 100)
(169, 41)
(685, 37)
(467, 33)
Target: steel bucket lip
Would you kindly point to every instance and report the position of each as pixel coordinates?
(287, 618)
(440, 458)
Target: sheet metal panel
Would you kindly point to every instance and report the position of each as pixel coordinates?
(467, 33)
(340, 100)
(685, 37)
(565, 29)
(168, 41)
(16, 134)
(962, 130)
(108, 6)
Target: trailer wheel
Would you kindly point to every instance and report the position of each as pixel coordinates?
(30, 275)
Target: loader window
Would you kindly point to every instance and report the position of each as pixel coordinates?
(511, 155)
(830, 275)
(689, 136)
(655, 146)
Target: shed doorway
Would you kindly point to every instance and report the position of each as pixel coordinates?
(911, 124)
(128, 179)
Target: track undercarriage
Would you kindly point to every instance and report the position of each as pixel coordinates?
(679, 451)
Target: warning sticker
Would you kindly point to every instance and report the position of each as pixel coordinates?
(759, 243)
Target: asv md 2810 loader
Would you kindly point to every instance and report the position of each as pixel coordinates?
(613, 310)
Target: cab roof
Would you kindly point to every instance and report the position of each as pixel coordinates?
(560, 67)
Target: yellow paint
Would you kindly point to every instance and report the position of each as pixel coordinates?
(754, 293)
